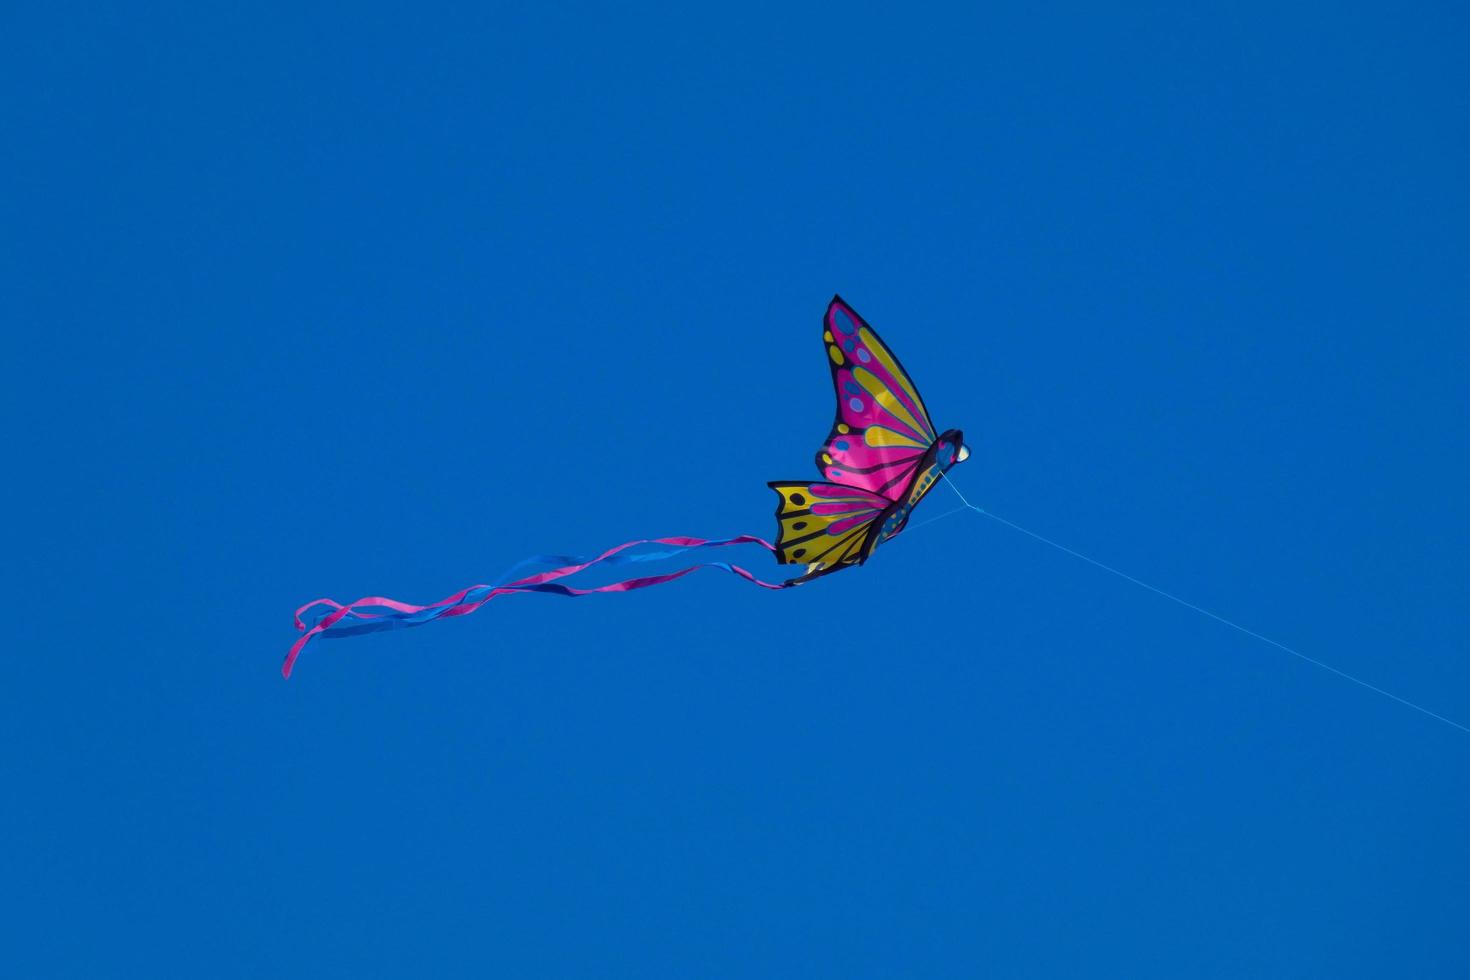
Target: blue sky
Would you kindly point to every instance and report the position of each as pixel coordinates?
(354, 300)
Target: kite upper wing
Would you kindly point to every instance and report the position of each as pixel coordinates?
(882, 428)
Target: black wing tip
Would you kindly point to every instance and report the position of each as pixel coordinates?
(838, 301)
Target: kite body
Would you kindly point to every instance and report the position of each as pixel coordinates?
(881, 458)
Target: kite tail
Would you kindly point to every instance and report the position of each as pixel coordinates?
(355, 617)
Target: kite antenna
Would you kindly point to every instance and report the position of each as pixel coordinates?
(966, 505)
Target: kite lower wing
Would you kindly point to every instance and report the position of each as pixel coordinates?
(824, 525)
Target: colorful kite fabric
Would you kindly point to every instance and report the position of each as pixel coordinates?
(880, 459)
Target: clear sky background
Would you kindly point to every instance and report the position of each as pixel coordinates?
(355, 300)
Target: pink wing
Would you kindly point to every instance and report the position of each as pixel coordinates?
(882, 428)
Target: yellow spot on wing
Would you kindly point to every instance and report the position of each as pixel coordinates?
(879, 438)
(835, 354)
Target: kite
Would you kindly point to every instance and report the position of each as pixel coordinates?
(881, 459)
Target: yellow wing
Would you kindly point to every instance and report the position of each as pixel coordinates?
(823, 524)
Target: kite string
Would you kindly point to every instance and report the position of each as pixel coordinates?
(939, 517)
(966, 505)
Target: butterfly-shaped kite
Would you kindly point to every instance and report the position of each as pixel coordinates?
(879, 461)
